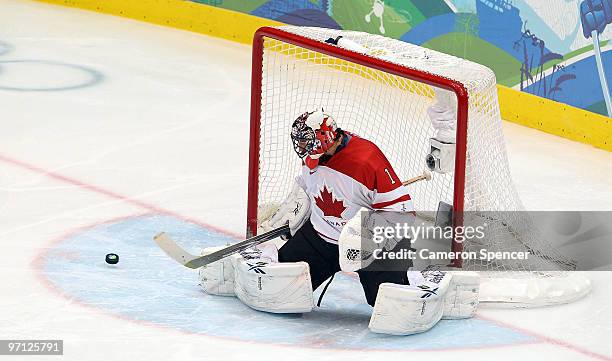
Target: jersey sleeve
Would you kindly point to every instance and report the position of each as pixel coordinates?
(299, 179)
(389, 193)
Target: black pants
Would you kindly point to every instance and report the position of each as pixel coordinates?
(322, 257)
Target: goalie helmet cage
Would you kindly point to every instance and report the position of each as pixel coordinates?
(382, 93)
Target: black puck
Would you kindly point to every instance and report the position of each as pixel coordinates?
(112, 258)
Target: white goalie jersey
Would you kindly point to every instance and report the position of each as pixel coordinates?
(357, 176)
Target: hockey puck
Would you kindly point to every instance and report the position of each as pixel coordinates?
(112, 258)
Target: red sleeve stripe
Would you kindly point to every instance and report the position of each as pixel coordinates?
(390, 203)
(380, 197)
(329, 239)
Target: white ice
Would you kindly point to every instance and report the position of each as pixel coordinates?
(141, 119)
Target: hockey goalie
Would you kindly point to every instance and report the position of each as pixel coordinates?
(345, 188)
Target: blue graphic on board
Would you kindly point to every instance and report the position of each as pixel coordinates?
(465, 6)
(148, 286)
(595, 15)
(543, 37)
(431, 28)
(500, 24)
(298, 12)
(539, 26)
(581, 91)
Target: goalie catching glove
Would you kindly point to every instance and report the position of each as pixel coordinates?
(295, 210)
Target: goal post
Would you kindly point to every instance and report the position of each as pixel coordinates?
(382, 92)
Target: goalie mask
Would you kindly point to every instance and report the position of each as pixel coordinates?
(313, 133)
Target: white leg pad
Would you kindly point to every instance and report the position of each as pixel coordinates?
(273, 287)
(406, 309)
(217, 278)
(461, 299)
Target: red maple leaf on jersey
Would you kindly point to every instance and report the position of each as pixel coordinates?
(329, 205)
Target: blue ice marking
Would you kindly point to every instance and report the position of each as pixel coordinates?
(148, 286)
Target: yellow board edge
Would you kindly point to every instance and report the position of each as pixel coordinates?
(555, 118)
(516, 106)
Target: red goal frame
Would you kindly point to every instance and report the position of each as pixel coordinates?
(365, 60)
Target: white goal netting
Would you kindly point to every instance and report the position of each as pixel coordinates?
(391, 111)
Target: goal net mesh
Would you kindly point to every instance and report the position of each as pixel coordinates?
(391, 111)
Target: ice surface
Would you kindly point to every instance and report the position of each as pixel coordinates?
(114, 129)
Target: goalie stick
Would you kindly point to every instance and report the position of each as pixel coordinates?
(187, 259)
(425, 176)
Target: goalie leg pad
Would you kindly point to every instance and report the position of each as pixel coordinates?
(217, 278)
(273, 287)
(406, 309)
(461, 299)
